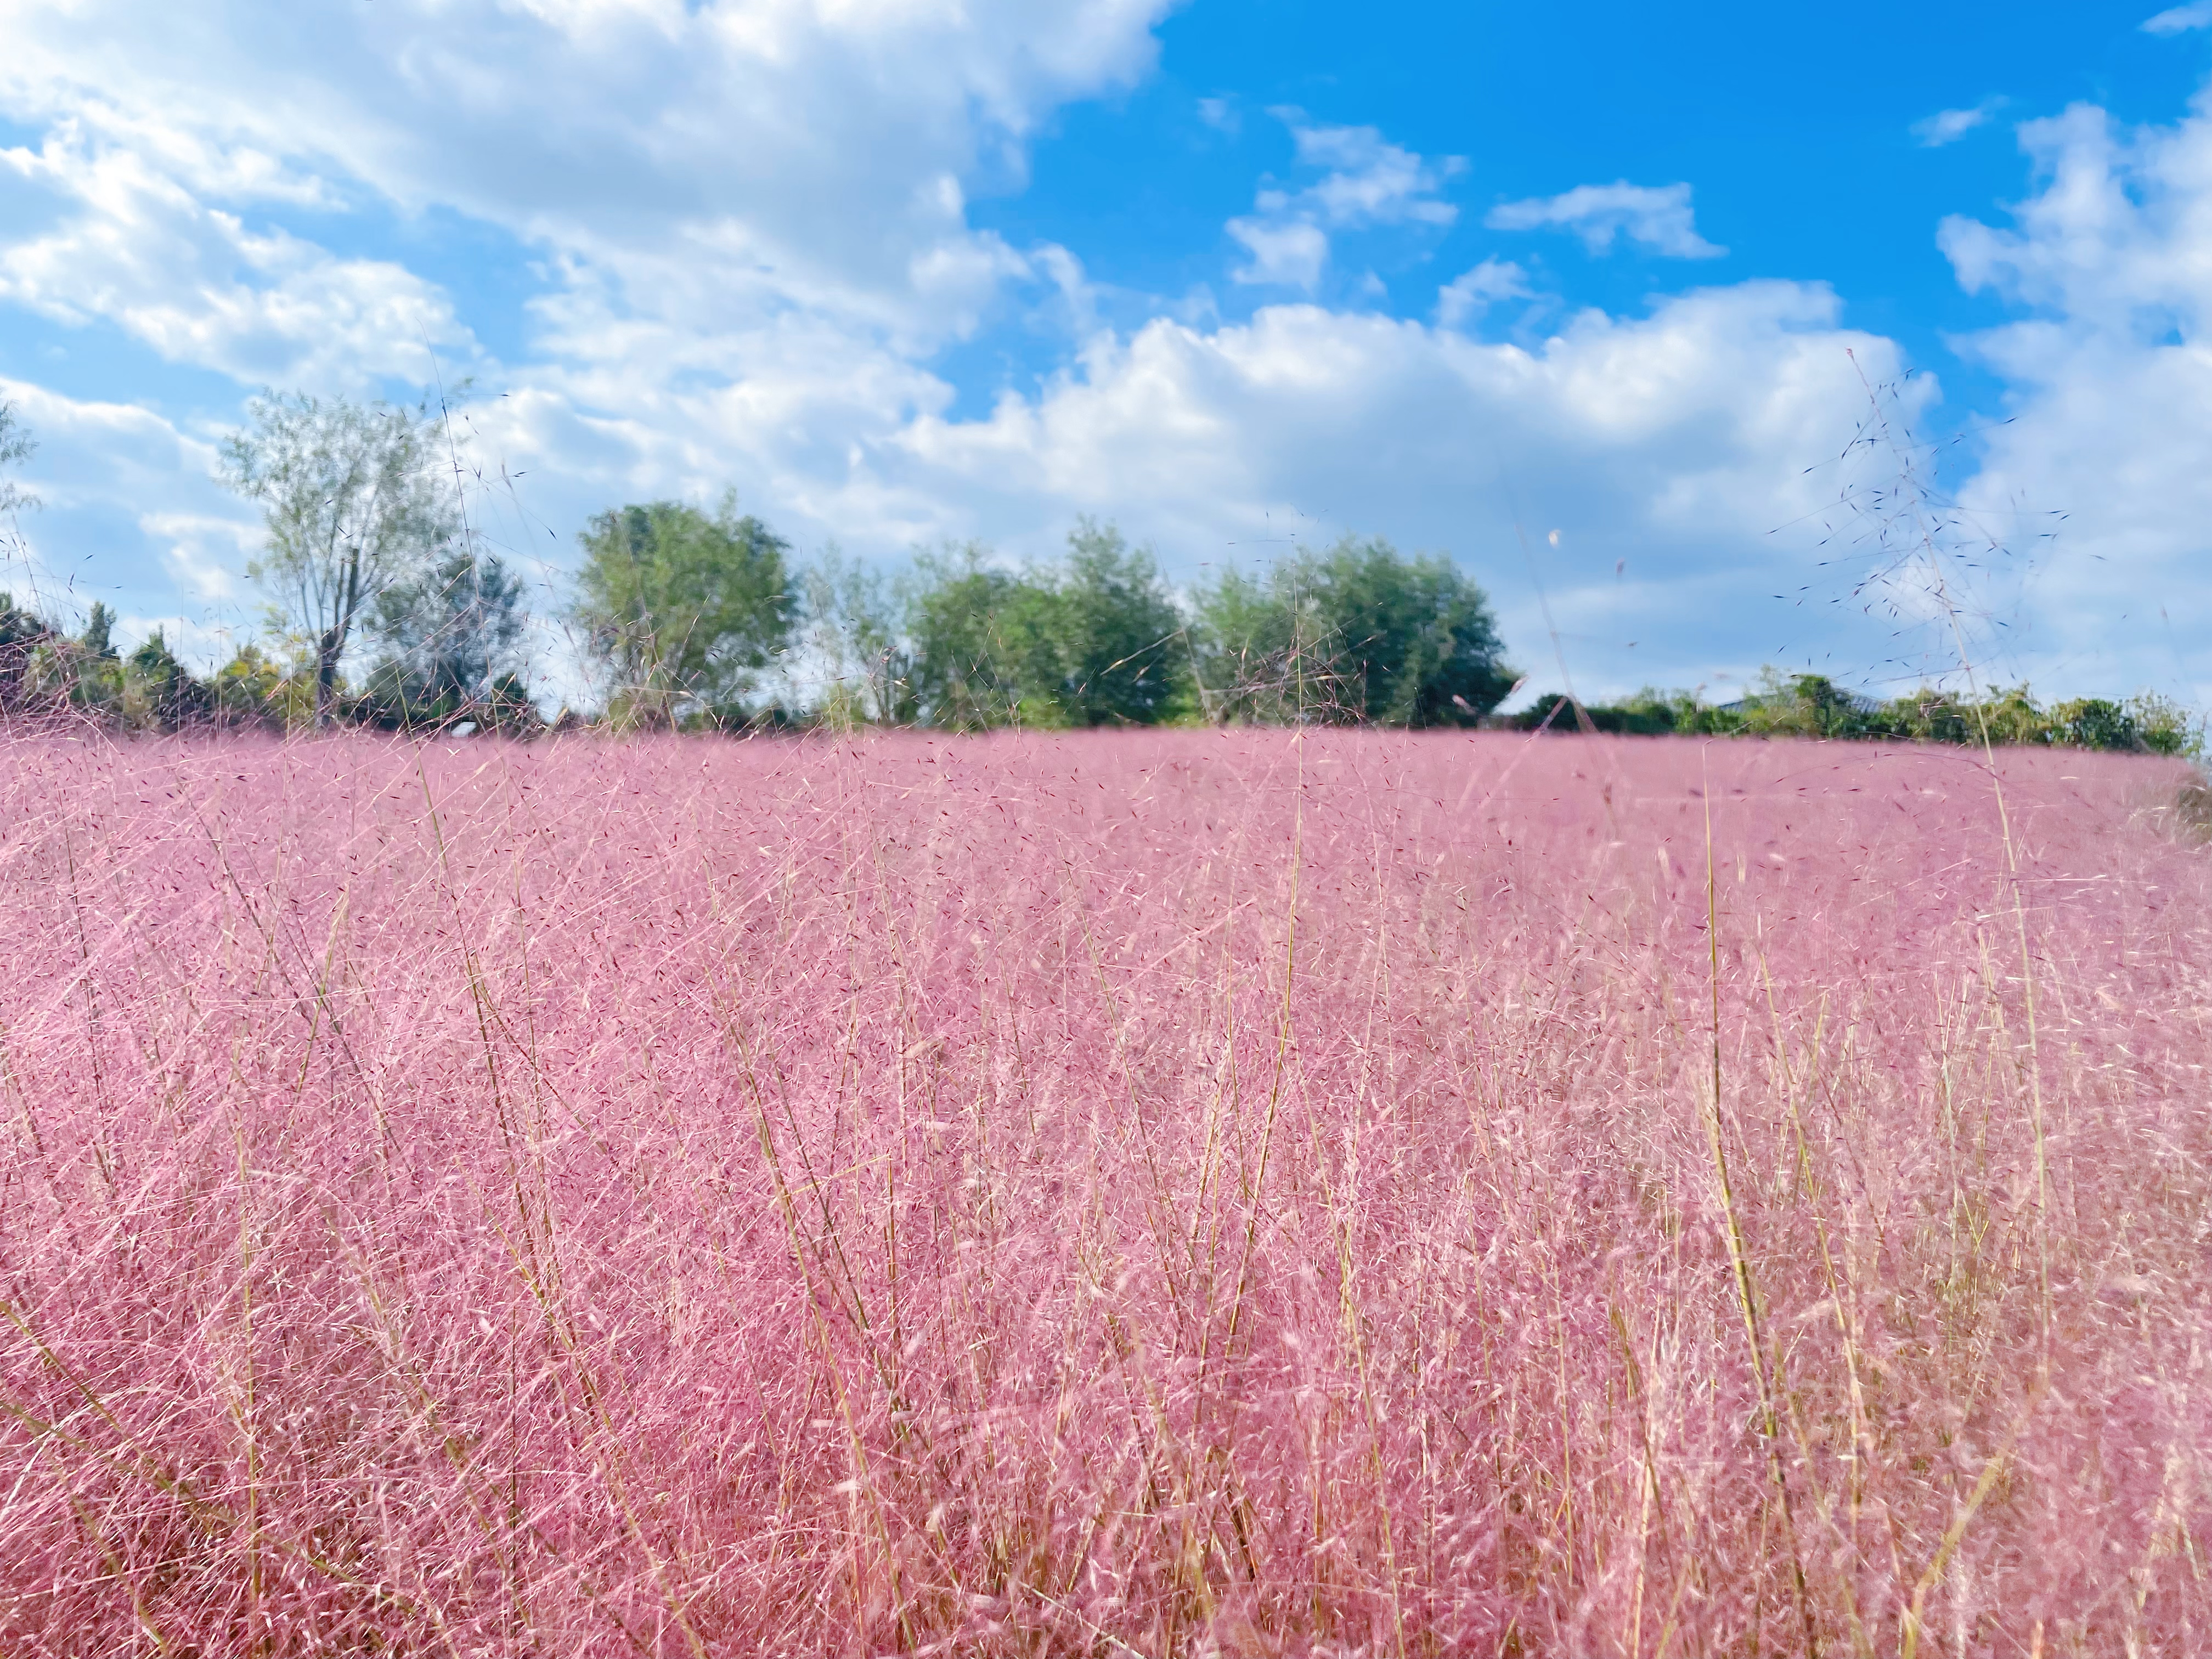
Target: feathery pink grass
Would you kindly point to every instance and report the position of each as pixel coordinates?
(1191, 1193)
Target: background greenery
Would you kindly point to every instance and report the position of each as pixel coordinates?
(385, 609)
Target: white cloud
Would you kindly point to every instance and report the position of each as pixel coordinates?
(2116, 246)
(1659, 218)
(748, 218)
(1468, 295)
(1949, 125)
(97, 463)
(677, 149)
(133, 247)
(203, 552)
(2110, 393)
(84, 446)
(751, 223)
(1285, 252)
(1680, 440)
(2179, 19)
(1369, 181)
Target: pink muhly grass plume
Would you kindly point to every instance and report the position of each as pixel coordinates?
(1243, 1193)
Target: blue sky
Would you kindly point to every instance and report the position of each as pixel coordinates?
(1584, 297)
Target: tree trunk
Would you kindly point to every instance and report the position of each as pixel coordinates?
(331, 646)
(328, 649)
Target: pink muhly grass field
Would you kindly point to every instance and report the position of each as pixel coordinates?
(1170, 1195)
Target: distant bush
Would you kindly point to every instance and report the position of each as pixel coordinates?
(1812, 706)
(44, 672)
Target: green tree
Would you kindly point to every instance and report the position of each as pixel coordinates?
(1123, 649)
(980, 643)
(99, 636)
(354, 501)
(1804, 705)
(1092, 640)
(2164, 726)
(681, 609)
(252, 689)
(1357, 634)
(450, 640)
(2093, 723)
(22, 636)
(1647, 714)
(854, 645)
(1931, 715)
(159, 693)
(17, 446)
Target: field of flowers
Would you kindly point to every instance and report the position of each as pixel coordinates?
(1176, 1194)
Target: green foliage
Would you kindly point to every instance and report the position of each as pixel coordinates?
(682, 610)
(2164, 726)
(159, 694)
(23, 638)
(1649, 713)
(1093, 639)
(2093, 723)
(982, 656)
(1122, 655)
(98, 638)
(1358, 634)
(1928, 715)
(853, 642)
(20, 633)
(44, 672)
(449, 639)
(17, 446)
(252, 689)
(18, 626)
(353, 503)
(58, 674)
(1812, 705)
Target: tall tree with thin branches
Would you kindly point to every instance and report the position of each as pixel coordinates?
(354, 502)
(16, 446)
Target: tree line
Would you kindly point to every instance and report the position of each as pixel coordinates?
(386, 607)
(690, 619)
(1814, 705)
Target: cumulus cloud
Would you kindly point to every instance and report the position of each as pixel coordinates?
(675, 150)
(1657, 218)
(96, 461)
(1369, 180)
(1679, 441)
(133, 247)
(205, 553)
(1366, 181)
(2110, 388)
(749, 240)
(1949, 125)
(744, 221)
